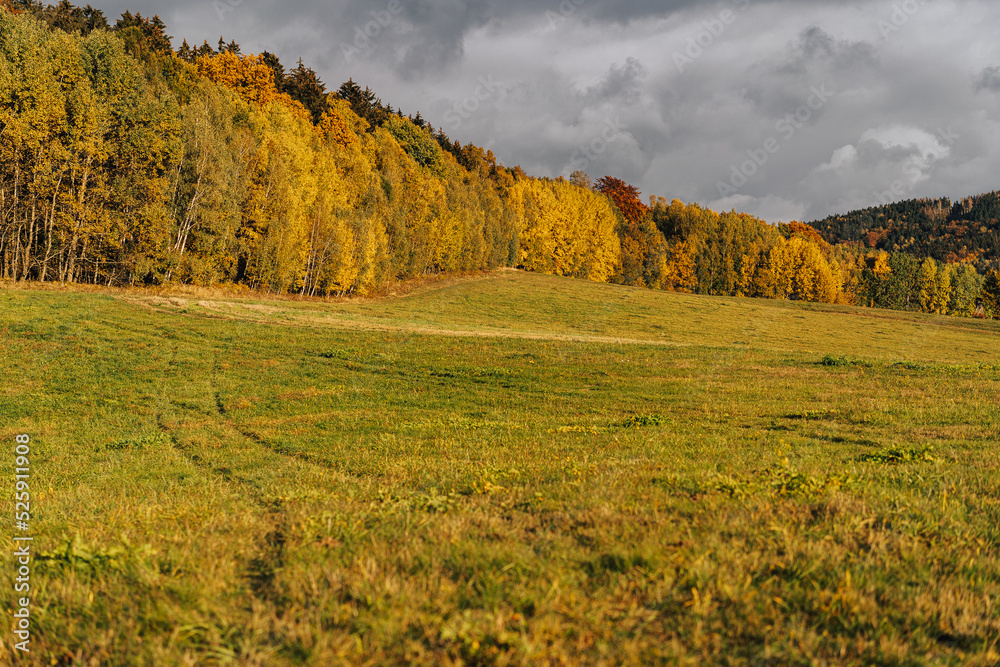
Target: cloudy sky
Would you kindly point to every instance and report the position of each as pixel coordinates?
(788, 109)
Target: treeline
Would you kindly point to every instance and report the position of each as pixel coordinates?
(900, 281)
(123, 161)
(126, 162)
(734, 254)
(952, 232)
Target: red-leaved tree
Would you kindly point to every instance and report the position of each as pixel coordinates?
(643, 246)
(625, 197)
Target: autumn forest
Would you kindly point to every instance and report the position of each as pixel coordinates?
(126, 162)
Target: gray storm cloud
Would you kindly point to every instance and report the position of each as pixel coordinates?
(670, 95)
(989, 80)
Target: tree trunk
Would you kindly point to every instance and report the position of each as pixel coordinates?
(49, 232)
(31, 242)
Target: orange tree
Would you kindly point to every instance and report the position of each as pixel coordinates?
(644, 249)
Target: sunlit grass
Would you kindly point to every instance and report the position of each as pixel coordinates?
(507, 470)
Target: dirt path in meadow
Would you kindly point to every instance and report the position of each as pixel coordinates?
(252, 312)
(516, 335)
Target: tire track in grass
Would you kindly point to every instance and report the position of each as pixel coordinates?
(253, 491)
(262, 569)
(220, 408)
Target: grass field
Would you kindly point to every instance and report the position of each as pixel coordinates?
(506, 469)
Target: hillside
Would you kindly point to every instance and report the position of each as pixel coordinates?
(517, 305)
(504, 469)
(966, 230)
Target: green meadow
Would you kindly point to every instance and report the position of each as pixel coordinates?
(509, 469)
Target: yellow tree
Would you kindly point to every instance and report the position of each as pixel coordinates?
(928, 285)
(340, 125)
(85, 149)
(144, 136)
(757, 278)
(277, 217)
(943, 293)
(780, 263)
(249, 76)
(805, 259)
(537, 250)
(567, 231)
(367, 208)
(209, 185)
(679, 274)
(33, 121)
(331, 261)
(967, 286)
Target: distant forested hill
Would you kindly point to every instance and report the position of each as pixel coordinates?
(966, 230)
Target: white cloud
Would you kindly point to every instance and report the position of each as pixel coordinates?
(924, 147)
